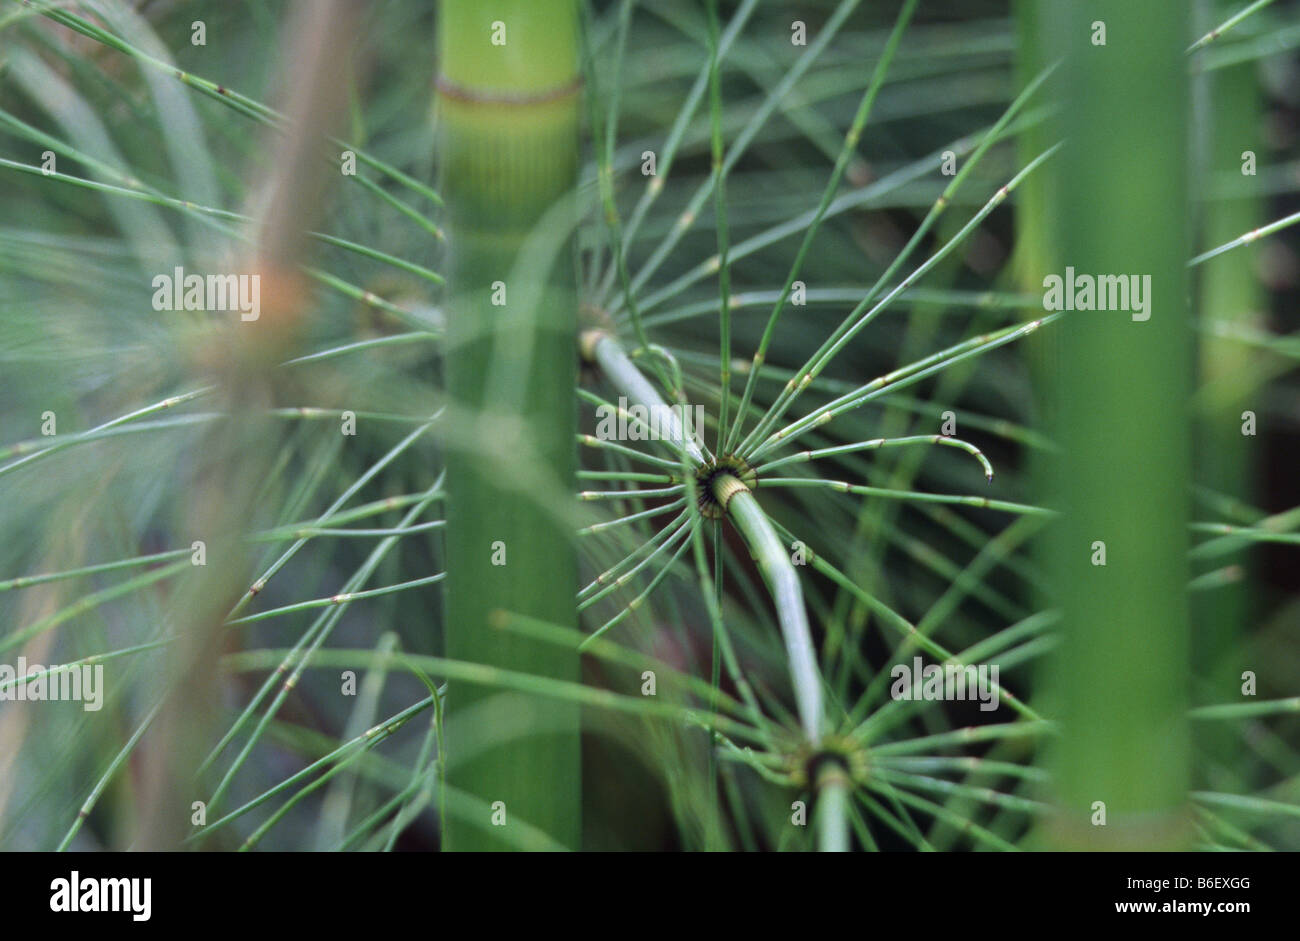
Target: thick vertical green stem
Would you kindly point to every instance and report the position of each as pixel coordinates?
(1123, 382)
(508, 97)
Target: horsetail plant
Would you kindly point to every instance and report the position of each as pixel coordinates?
(640, 432)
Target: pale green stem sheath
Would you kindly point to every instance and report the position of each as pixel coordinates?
(832, 812)
(778, 572)
(621, 371)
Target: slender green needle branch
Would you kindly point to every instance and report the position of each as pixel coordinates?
(841, 164)
(672, 142)
(1228, 24)
(1252, 236)
(724, 237)
(876, 443)
(862, 490)
(687, 219)
(900, 378)
(856, 320)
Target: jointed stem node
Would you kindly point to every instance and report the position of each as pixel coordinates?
(719, 480)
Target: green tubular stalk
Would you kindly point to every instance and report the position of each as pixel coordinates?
(833, 811)
(620, 370)
(508, 105)
(778, 572)
(832, 784)
(1123, 391)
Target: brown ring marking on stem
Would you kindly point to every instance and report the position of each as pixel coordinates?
(458, 92)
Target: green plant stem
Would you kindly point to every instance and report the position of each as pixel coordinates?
(1122, 416)
(783, 582)
(832, 810)
(508, 91)
(1228, 24)
(623, 373)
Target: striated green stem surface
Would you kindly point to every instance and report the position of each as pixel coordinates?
(1123, 387)
(507, 112)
